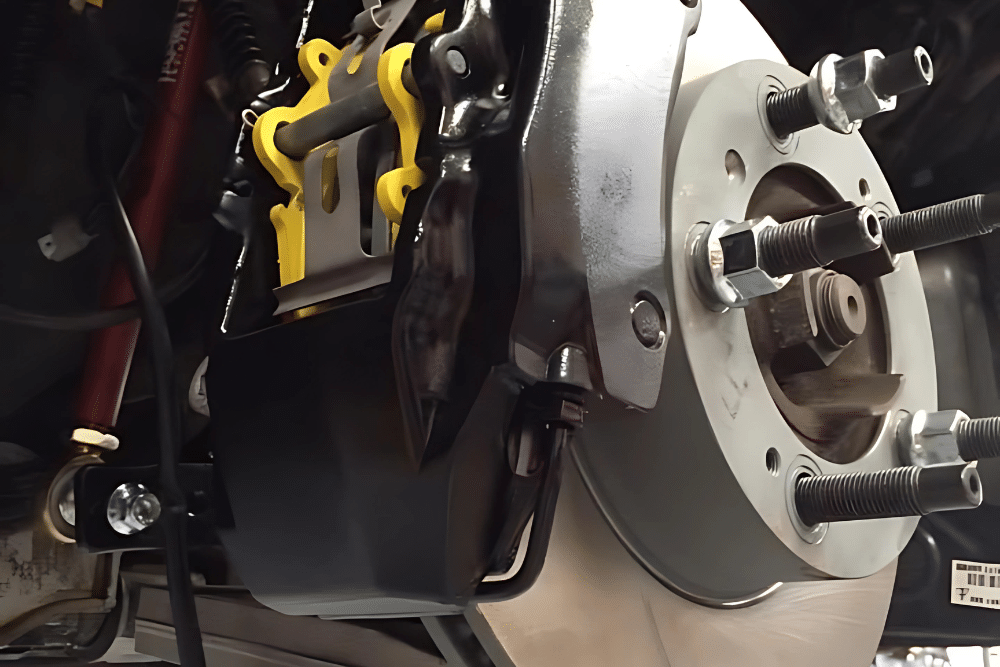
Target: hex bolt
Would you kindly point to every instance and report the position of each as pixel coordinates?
(818, 240)
(132, 508)
(978, 438)
(898, 492)
(942, 223)
(844, 91)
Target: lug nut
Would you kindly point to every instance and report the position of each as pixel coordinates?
(132, 508)
(734, 262)
(947, 436)
(942, 223)
(844, 91)
(899, 492)
(818, 240)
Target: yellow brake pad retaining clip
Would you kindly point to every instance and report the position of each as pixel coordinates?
(393, 187)
(317, 59)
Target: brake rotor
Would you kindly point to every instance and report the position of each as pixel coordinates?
(673, 542)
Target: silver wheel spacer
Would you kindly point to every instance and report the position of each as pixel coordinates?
(685, 486)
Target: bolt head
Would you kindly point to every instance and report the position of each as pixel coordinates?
(648, 324)
(456, 61)
(132, 508)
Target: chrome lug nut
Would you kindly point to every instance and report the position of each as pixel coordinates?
(132, 508)
(734, 262)
(842, 92)
(946, 436)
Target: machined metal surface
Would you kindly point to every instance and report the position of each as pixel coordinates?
(593, 605)
(734, 262)
(59, 514)
(336, 264)
(734, 509)
(592, 189)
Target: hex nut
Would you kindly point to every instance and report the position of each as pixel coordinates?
(843, 90)
(929, 438)
(737, 262)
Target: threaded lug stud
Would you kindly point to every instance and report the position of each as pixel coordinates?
(942, 223)
(790, 111)
(898, 492)
(979, 438)
(818, 240)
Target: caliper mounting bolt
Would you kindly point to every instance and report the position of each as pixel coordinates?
(898, 492)
(942, 223)
(841, 92)
(818, 240)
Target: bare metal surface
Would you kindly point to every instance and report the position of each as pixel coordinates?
(719, 395)
(336, 264)
(240, 632)
(594, 606)
(132, 509)
(592, 188)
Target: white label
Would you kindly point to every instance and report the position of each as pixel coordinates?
(975, 584)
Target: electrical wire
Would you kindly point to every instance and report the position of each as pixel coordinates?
(102, 319)
(173, 516)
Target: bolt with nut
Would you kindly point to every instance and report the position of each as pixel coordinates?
(132, 508)
(946, 436)
(841, 92)
(734, 262)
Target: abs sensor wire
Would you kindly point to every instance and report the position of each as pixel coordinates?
(173, 517)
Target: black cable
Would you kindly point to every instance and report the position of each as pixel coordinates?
(173, 516)
(102, 319)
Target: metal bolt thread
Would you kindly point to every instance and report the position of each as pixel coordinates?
(790, 111)
(979, 438)
(943, 223)
(788, 248)
(858, 495)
